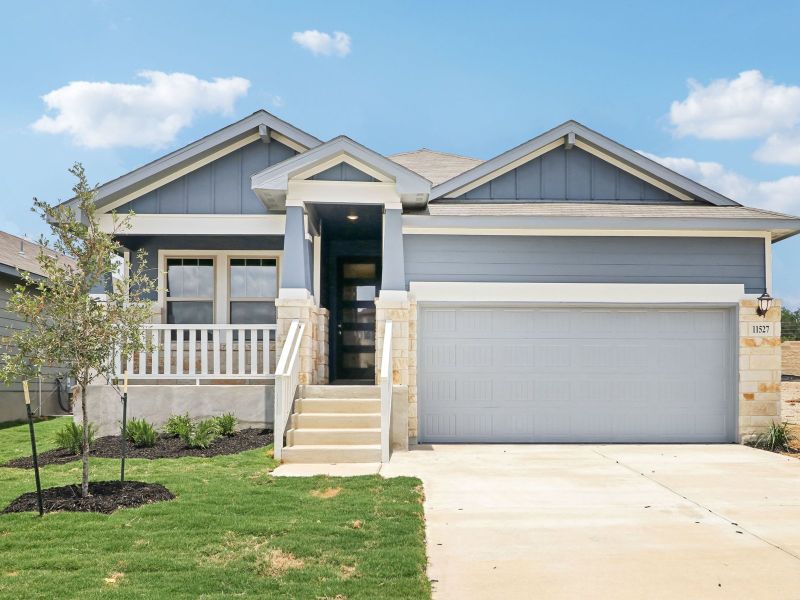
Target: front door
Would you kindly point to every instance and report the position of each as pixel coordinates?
(358, 282)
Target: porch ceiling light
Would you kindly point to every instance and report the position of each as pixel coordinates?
(764, 302)
(352, 216)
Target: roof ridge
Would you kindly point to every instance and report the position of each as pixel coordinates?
(425, 149)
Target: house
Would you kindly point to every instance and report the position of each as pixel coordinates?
(19, 254)
(567, 290)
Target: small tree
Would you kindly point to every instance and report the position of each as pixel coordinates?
(67, 325)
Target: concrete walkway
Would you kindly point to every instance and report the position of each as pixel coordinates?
(638, 522)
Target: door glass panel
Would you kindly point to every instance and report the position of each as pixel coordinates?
(359, 271)
(358, 360)
(360, 293)
(358, 315)
(358, 338)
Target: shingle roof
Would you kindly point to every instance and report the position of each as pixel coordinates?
(18, 253)
(436, 167)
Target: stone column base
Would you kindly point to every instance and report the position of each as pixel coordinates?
(314, 345)
(759, 370)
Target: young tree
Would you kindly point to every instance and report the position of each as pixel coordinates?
(68, 325)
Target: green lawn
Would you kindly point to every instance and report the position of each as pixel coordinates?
(233, 531)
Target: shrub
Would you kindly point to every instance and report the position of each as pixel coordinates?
(140, 433)
(178, 426)
(777, 437)
(201, 434)
(227, 424)
(71, 436)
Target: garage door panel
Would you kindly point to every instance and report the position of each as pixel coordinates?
(575, 375)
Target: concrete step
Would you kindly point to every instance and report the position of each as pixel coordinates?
(333, 453)
(344, 437)
(334, 421)
(337, 405)
(340, 391)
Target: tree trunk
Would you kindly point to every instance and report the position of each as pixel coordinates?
(84, 443)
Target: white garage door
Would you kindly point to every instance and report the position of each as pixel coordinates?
(510, 374)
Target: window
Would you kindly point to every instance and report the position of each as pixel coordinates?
(253, 288)
(190, 290)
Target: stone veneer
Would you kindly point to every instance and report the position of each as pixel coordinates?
(790, 402)
(314, 345)
(759, 371)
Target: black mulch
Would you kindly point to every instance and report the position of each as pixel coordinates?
(166, 447)
(104, 497)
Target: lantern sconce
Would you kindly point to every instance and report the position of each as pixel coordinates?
(764, 302)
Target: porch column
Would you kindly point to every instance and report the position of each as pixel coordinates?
(296, 262)
(296, 302)
(393, 274)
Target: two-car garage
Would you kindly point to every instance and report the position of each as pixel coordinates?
(511, 373)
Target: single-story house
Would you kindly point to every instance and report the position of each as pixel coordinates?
(567, 290)
(19, 254)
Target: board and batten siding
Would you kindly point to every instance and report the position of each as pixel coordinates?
(220, 187)
(562, 175)
(556, 259)
(12, 407)
(342, 172)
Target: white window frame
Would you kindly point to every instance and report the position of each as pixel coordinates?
(221, 276)
(230, 297)
(168, 299)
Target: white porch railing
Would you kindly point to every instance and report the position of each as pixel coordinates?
(386, 393)
(201, 352)
(286, 381)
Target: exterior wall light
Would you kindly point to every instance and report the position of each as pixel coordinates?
(764, 302)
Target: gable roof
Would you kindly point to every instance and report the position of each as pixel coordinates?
(19, 254)
(259, 123)
(572, 133)
(272, 183)
(436, 167)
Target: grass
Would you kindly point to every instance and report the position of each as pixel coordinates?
(234, 530)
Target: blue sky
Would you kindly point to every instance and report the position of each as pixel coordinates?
(465, 77)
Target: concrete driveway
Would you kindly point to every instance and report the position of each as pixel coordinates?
(639, 522)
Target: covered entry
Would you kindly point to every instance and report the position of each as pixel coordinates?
(493, 373)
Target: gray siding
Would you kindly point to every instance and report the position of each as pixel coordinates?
(343, 172)
(585, 259)
(567, 175)
(221, 187)
(152, 244)
(12, 406)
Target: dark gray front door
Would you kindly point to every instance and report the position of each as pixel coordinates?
(358, 282)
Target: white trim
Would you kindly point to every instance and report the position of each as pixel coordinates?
(387, 298)
(342, 157)
(279, 137)
(589, 293)
(411, 230)
(506, 168)
(317, 246)
(209, 158)
(602, 155)
(221, 275)
(197, 224)
(304, 192)
(768, 263)
(293, 294)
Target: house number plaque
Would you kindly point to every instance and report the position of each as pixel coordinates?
(765, 329)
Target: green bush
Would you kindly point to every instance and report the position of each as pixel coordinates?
(71, 437)
(227, 424)
(178, 426)
(140, 433)
(777, 437)
(201, 434)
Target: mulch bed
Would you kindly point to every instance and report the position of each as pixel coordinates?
(166, 447)
(105, 497)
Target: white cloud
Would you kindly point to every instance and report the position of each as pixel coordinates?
(782, 195)
(780, 148)
(746, 107)
(100, 114)
(321, 43)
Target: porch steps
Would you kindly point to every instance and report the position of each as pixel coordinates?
(335, 424)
